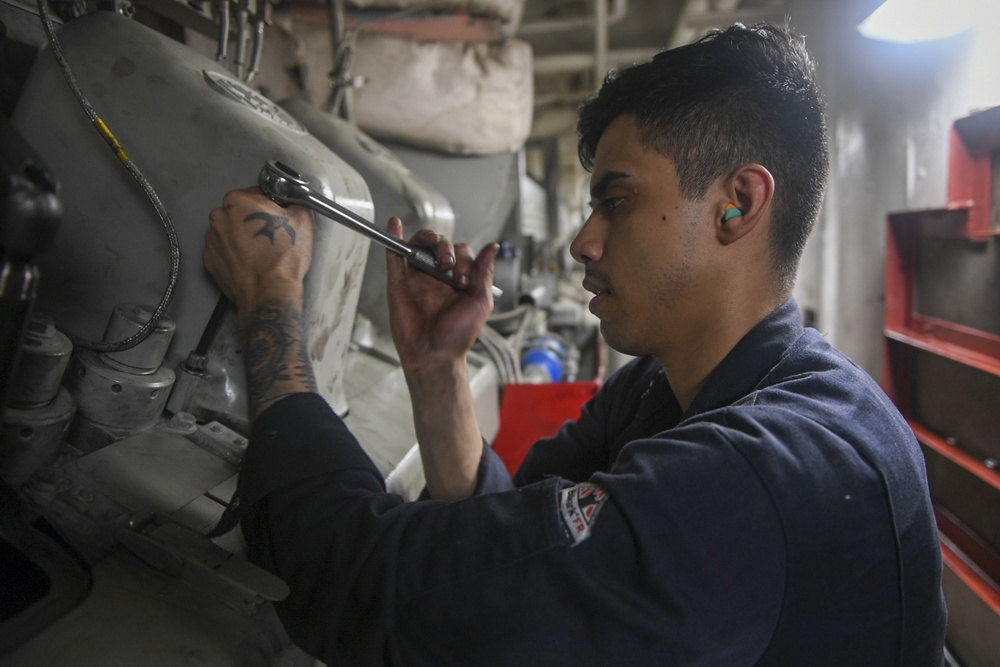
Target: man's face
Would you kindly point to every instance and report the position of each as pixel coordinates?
(649, 252)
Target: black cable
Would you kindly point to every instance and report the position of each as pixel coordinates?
(144, 185)
(222, 308)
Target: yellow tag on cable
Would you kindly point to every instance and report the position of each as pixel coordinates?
(110, 139)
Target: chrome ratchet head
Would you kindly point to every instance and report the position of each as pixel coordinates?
(281, 183)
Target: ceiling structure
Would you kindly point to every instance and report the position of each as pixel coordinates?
(576, 41)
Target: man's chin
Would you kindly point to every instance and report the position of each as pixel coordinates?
(614, 339)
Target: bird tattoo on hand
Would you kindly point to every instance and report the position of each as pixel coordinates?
(272, 223)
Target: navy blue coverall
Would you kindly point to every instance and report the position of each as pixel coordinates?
(782, 520)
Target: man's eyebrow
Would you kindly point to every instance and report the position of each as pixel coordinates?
(598, 189)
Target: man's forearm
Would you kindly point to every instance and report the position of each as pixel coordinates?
(451, 444)
(277, 363)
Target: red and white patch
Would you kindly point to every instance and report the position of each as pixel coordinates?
(579, 506)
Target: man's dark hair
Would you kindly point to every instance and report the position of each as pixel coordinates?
(735, 96)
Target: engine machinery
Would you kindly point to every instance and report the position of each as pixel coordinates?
(126, 414)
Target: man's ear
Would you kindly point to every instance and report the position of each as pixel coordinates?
(749, 190)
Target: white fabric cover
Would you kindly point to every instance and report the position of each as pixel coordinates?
(457, 97)
(509, 11)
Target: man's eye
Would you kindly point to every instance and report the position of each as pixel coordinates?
(613, 202)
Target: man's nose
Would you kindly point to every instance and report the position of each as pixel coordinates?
(586, 247)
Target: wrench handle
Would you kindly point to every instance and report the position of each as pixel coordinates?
(285, 187)
(423, 259)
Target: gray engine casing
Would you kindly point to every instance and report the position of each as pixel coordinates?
(396, 190)
(196, 133)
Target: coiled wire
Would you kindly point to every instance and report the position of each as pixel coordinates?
(144, 185)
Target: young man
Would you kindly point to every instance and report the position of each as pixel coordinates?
(740, 494)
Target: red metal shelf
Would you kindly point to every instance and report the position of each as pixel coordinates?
(937, 342)
(956, 455)
(966, 215)
(970, 576)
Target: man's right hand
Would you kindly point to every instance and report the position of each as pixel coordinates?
(433, 323)
(433, 326)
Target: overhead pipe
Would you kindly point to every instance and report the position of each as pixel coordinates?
(261, 18)
(615, 10)
(223, 8)
(600, 42)
(340, 102)
(242, 32)
(576, 61)
(569, 62)
(719, 16)
(680, 24)
(746, 16)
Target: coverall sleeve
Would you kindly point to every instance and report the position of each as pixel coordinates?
(551, 573)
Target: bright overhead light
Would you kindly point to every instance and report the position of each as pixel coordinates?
(925, 20)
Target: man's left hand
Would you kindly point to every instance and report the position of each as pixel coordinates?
(257, 251)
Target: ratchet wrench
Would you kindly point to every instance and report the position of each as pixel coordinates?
(285, 186)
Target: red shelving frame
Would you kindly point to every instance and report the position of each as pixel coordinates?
(967, 215)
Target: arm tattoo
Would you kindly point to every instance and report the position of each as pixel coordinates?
(272, 223)
(277, 363)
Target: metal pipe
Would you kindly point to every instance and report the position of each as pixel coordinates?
(721, 19)
(223, 7)
(719, 14)
(567, 62)
(600, 42)
(261, 18)
(616, 11)
(341, 100)
(335, 14)
(678, 29)
(242, 23)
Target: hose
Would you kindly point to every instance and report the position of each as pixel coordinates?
(242, 20)
(506, 355)
(223, 50)
(260, 19)
(339, 101)
(144, 185)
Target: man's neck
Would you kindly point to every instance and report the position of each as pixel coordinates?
(689, 363)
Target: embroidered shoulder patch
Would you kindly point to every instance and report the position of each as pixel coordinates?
(578, 507)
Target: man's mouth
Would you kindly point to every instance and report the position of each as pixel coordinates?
(592, 287)
(598, 285)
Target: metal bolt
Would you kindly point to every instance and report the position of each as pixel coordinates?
(992, 464)
(951, 440)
